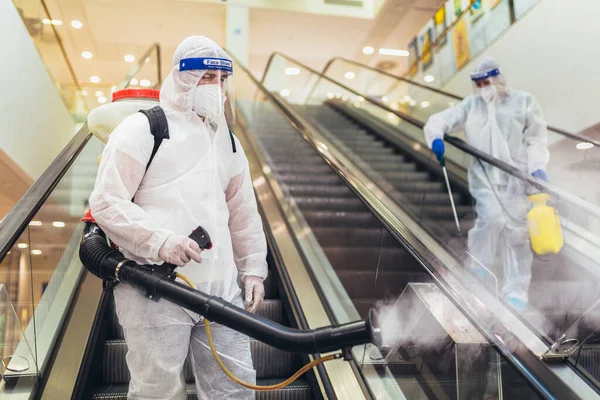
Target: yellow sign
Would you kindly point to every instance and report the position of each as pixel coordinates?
(460, 39)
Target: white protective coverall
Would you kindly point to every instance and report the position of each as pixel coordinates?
(195, 179)
(511, 128)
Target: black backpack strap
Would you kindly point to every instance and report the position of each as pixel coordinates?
(232, 142)
(159, 127)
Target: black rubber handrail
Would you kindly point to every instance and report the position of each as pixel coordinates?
(462, 145)
(569, 135)
(531, 367)
(18, 218)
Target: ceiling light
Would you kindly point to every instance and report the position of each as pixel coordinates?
(413, 103)
(368, 50)
(56, 22)
(87, 55)
(451, 103)
(349, 75)
(384, 99)
(391, 116)
(429, 78)
(36, 252)
(113, 88)
(338, 95)
(344, 98)
(99, 93)
(284, 92)
(584, 146)
(101, 99)
(94, 79)
(394, 52)
(22, 245)
(46, 21)
(35, 223)
(129, 58)
(360, 98)
(147, 60)
(84, 93)
(417, 146)
(330, 95)
(133, 82)
(407, 98)
(394, 106)
(76, 24)
(292, 71)
(58, 224)
(145, 82)
(425, 104)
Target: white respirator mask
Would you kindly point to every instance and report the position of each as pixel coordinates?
(208, 100)
(488, 93)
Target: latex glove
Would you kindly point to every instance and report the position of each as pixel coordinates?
(438, 148)
(540, 174)
(179, 250)
(254, 292)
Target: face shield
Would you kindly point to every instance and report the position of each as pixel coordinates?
(212, 96)
(488, 83)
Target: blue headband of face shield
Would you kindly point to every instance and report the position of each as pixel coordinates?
(220, 64)
(477, 76)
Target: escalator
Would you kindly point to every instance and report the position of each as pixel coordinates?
(406, 170)
(333, 256)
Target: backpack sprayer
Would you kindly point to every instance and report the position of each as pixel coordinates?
(158, 281)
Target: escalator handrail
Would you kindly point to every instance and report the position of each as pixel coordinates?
(379, 71)
(562, 132)
(18, 218)
(138, 66)
(426, 259)
(460, 144)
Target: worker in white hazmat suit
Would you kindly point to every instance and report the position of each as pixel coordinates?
(508, 125)
(199, 176)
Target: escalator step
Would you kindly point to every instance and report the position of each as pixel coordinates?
(406, 186)
(378, 284)
(268, 361)
(301, 166)
(299, 390)
(302, 179)
(409, 175)
(368, 257)
(329, 204)
(438, 212)
(270, 308)
(341, 219)
(364, 237)
(321, 190)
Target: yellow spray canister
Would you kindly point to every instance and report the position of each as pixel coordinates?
(545, 232)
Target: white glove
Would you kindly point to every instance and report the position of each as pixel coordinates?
(254, 291)
(179, 250)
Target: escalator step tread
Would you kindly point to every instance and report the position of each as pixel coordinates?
(299, 390)
(268, 361)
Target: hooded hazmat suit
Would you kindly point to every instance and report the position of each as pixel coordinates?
(195, 179)
(508, 125)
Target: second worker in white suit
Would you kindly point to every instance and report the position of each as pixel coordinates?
(508, 125)
(199, 176)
